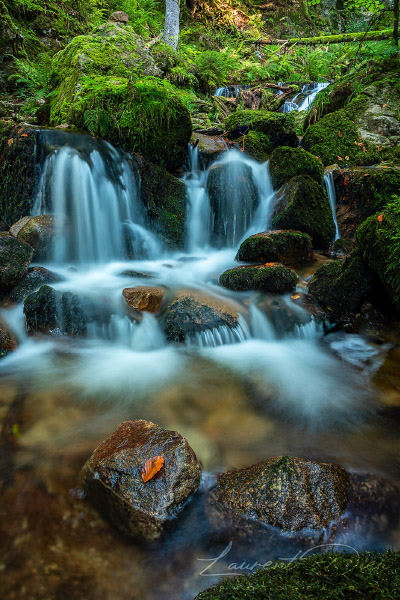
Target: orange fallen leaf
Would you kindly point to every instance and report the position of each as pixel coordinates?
(380, 148)
(339, 158)
(384, 167)
(24, 135)
(269, 264)
(10, 141)
(380, 218)
(295, 296)
(317, 157)
(151, 467)
(340, 134)
(384, 105)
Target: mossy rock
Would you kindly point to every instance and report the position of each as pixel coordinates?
(164, 196)
(278, 127)
(232, 192)
(350, 576)
(378, 238)
(39, 233)
(267, 278)
(15, 258)
(257, 145)
(287, 247)
(19, 171)
(334, 138)
(286, 163)
(35, 278)
(106, 83)
(342, 286)
(52, 312)
(302, 204)
(333, 98)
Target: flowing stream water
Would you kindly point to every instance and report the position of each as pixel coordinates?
(280, 383)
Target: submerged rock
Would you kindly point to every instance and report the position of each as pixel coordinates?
(231, 190)
(272, 277)
(144, 298)
(285, 246)
(8, 341)
(286, 162)
(302, 204)
(35, 278)
(112, 478)
(52, 312)
(193, 312)
(15, 258)
(290, 493)
(39, 232)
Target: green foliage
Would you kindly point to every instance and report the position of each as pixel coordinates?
(214, 67)
(333, 575)
(32, 80)
(146, 17)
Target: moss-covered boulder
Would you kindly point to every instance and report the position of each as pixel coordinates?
(302, 204)
(35, 278)
(290, 493)
(165, 198)
(361, 192)
(19, 172)
(257, 145)
(192, 313)
(272, 277)
(233, 199)
(335, 138)
(40, 232)
(342, 286)
(286, 163)
(15, 258)
(278, 127)
(107, 83)
(287, 247)
(349, 574)
(378, 238)
(52, 312)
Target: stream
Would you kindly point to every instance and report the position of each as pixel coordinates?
(280, 383)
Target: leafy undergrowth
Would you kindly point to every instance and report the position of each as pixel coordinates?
(333, 575)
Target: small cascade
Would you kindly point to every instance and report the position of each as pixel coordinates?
(141, 337)
(330, 190)
(308, 93)
(308, 331)
(261, 326)
(220, 336)
(230, 91)
(198, 225)
(91, 188)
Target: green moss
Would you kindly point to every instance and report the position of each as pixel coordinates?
(337, 576)
(334, 139)
(257, 145)
(279, 127)
(106, 85)
(379, 241)
(287, 247)
(374, 189)
(341, 286)
(286, 163)
(274, 278)
(302, 204)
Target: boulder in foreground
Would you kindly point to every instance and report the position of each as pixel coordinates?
(112, 478)
(272, 277)
(286, 246)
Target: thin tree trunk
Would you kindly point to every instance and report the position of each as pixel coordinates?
(396, 22)
(171, 30)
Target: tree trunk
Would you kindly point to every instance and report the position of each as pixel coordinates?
(396, 22)
(171, 30)
(384, 34)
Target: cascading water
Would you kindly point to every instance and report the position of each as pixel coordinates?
(91, 188)
(309, 93)
(330, 190)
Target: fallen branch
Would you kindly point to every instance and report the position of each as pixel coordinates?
(385, 34)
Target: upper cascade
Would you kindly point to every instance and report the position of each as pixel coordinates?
(92, 189)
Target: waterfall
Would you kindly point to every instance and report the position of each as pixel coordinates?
(330, 190)
(92, 189)
(309, 92)
(229, 201)
(220, 336)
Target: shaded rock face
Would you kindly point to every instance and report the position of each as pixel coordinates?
(342, 286)
(119, 16)
(39, 232)
(15, 258)
(266, 278)
(210, 146)
(231, 190)
(8, 342)
(287, 247)
(286, 162)
(112, 478)
(16, 227)
(302, 204)
(35, 278)
(379, 122)
(192, 313)
(144, 298)
(287, 492)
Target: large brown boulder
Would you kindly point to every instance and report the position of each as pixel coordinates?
(193, 312)
(112, 478)
(287, 492)
(15, 258)
(144, 298)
